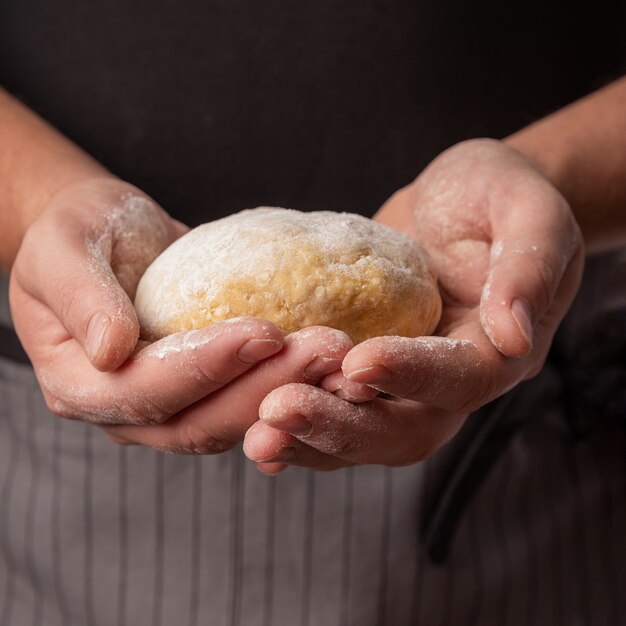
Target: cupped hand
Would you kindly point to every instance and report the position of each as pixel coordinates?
(509, 256)
(71, 296)
(77, 269)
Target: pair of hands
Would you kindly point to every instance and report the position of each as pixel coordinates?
(503, 242)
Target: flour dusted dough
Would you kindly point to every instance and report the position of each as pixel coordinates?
(294, 269)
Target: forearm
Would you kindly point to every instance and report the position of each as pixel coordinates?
(35, 162)
(582, 150)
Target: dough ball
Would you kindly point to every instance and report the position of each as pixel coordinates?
(294, 269)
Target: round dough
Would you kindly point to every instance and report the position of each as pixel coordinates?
(294, 269)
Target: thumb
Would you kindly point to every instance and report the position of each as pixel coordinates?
(535, 266)
(73, 278)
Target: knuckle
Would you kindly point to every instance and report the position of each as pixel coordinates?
(197, 440)
(60, 407)
(416, 387)
(56, 404)
(206, 375)
(144, 411)
(487, 386)
(339, 446)
(149, 411)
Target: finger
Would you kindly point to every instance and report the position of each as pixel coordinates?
(452, 374)
(346, 389)
(534, 248)
(390, 432)
(273, 450)
(81, 290)
(177, 228)
(120, 440)
(271, 469)
(220, 420)
(160, 380)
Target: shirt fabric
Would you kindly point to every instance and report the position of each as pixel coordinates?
(216, 106)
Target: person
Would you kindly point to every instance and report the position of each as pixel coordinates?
(92, 533)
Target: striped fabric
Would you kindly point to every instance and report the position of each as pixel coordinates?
(93, 533)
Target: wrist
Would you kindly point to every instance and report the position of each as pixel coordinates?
(30, 205)
(26, 205)
(581, 150)
(36, 162)
(553, 161)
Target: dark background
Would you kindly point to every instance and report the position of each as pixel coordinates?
(216, 106)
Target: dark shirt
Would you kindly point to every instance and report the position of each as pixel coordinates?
(215, 106)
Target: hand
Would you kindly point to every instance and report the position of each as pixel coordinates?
(509, 258)
(71, 290)
(77, 270)
(216, 393)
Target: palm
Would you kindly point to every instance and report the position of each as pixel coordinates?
(124, 229)
(459, 254)
(461, 209)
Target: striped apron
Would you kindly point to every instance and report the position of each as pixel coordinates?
(520, 520)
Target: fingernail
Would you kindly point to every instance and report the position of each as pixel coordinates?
(373, 375)
(321, 366)
(521, 315)
(282, 456)
(256, 350)
(96, 330)
(294, 424)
